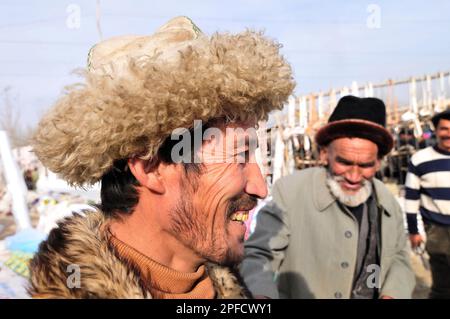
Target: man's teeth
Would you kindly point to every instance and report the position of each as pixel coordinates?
(240, 217)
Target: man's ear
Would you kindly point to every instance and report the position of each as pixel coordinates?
(149, 178)
(323, 156)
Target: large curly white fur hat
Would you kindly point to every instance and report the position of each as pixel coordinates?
(138, 89)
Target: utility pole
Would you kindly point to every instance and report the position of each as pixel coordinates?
(98, 16)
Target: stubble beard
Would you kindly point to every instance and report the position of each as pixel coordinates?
(187, 226)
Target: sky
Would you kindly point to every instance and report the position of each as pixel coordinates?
(328, 43)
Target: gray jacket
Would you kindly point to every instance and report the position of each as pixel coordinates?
(305, 246)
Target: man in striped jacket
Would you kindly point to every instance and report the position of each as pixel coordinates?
(428, 191)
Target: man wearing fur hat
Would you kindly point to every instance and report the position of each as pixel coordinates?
(165, 228)
(334, 231)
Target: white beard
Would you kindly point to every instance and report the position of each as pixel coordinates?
(353, 200)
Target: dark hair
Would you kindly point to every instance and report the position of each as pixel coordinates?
(118, 191)
(439, 117)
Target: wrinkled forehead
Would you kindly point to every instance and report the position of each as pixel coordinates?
(235, 133)
(228, 143)
(353, 147)
(444, 123)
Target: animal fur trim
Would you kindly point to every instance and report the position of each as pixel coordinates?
(81, 243)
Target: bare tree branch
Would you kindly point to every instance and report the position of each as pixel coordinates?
(10, 121)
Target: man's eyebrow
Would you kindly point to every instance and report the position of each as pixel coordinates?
(347, 162)
(343, 160)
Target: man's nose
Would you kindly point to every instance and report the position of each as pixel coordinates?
(354, 175)
(256, 185)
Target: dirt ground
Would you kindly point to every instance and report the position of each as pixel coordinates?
(423, 278)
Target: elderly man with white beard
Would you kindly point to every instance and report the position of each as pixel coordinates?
(334, 231)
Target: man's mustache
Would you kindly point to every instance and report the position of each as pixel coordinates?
(343, 179)
(241, 202)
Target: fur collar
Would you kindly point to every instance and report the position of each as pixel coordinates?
(79, 245)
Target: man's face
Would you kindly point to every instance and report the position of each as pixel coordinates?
(443, 135)
(352, 162)
(209, 213)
